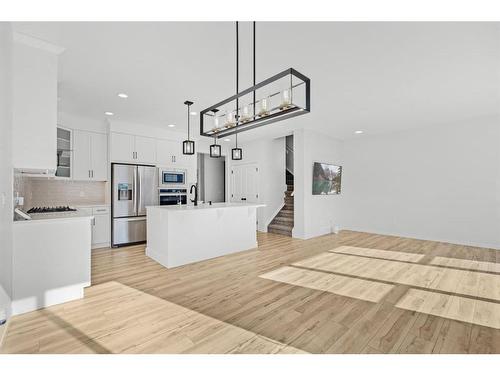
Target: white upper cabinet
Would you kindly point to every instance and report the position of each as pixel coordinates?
(99, 156)
(81, 155)
(145, 150)
(122, 147)
(132, 148)
(90, 156)
(34, 103)
(169, 153)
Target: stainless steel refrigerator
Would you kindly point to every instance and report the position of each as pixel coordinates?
(134, 188)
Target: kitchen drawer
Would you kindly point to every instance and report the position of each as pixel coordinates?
(85, 210)
(101, 210)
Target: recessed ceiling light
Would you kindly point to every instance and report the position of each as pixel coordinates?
(227, 139)
(123, 95)
(171, 125)
(359, 132)
(109, 113)
(193, 113)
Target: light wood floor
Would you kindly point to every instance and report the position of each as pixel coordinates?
(347, 293)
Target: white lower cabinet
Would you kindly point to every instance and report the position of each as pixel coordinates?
(101, 225)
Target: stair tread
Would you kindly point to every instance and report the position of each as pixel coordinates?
(281, 227)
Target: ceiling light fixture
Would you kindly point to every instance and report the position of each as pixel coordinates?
(359, 132)
(188, 144)
(193, 113)
(171, 125)
(291, 98)
(123, 95)
(227, 139)
(109, 113)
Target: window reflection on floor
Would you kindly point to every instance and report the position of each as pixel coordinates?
(459, 289)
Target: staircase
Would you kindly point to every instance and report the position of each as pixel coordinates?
(283, 221)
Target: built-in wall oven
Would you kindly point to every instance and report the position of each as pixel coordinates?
(170, 197)
(171, 178)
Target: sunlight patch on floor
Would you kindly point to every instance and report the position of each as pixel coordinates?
(471, 283)
(342, 285)
(376, 253)
(114, 318)
(467, 310)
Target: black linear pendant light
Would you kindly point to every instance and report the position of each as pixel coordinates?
(188, 144)
(237, 153)
(280, 97)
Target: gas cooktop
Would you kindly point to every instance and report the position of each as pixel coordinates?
(40, 210)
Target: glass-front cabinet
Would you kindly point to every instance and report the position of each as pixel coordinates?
(64, 152)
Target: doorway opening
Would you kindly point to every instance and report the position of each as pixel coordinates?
(211, 178)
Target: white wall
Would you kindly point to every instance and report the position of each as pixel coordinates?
(5, 169)
(269, 154)
(314, 215)
(440, 183)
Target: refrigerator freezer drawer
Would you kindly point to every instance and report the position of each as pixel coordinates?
(129, 230)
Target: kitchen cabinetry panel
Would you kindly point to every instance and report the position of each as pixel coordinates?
(90, 154)
(81, 155)
(169, 154)
(122, 147)
(145, 150)
(99, 156)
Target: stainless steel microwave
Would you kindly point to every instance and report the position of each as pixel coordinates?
(172, 177)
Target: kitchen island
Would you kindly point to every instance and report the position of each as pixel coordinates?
(178, 235)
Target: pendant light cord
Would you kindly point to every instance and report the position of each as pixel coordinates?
(237, 75)
(188, 122)
(254, 69)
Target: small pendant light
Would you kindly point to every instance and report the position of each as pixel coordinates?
(215, 150)
(188, 145)
(236, 153)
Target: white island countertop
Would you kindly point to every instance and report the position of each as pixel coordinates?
(184, 234)
(206, 206)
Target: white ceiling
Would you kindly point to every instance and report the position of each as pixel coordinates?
(378, 77)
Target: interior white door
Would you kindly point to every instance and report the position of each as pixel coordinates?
(252, 183)
(122, 147)
(145, 149)
(81, 155)
(245, 183)
(99, 156)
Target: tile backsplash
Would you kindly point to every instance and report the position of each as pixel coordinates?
(51, 192)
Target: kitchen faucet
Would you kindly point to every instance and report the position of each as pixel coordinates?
(195, 193)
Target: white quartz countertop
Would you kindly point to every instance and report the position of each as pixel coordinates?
(205, 206)
(69, 215)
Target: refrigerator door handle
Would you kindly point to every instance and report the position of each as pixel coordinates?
(135, 191)
(139, 191)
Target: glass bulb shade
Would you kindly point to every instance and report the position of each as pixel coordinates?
(230, 120)
(188, 147)
(264, 107)
(236, 153)
(215, 151)
(216, 123)
(286, 98)
(245, 113)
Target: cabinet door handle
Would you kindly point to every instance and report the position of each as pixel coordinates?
(89, 173)
(92, 173)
